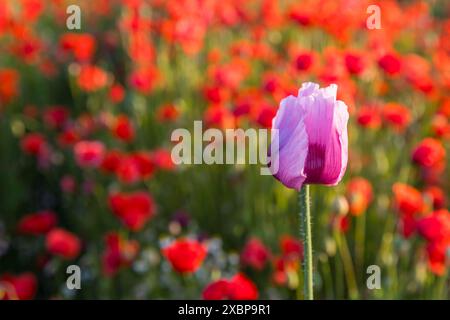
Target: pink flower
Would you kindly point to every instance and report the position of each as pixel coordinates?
(309, 138)
(89, 153)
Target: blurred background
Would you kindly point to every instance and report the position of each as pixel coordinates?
(87, 178)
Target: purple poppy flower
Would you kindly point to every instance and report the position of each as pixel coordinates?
(311, 133)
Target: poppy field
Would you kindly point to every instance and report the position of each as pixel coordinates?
(355, 94)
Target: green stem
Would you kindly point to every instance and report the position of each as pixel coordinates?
(360, 238)
(328, 279)
(305, 230)
(348, 265)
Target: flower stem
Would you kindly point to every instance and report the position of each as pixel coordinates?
(305, 231)
(348, 265)
(360, 238)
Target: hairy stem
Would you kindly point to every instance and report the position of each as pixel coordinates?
(305, 231)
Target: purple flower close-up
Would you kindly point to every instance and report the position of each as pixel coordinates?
(312, 138)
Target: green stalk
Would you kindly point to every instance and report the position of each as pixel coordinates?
(348, 265)
(360, 238)
(305, 231)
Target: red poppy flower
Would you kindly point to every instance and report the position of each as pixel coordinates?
(304, 61)
(217, 290)
(162, 159)
(34, 144)
(55, 117)
(216, 94)
(230, 75)
(436, 195)
(116, 93)
(390, 63)
(127, 170)
(341, 223)
(255, 254)
(140, 48)
(91, 78)
(354, 62)
(428, 153)
(272, 83)
(408, 200)
(111, 160)
(407, 225)
(396, 115)
(31, 10)
(291, 247)
(279, 275)
(220, 117)
(89, 153)
(368, 117)
(436, 226)
(434, 174)
(444, 108)
(119, 253)
(130, 168)
(145, 163)
(188, 30)
(18, 287)
(437, 257)
(300, 14)
(143, 80)
(359, 195)
(27, 47)
(417, 71)
(289, 261)
(441, 126)
(63, 243)
(9, 85)
(133, 209)
(82, 45)
(123, 128)
(68, 137)
(185, 255)
(37, 223)
(237, 288)
(265, 115)
(167, 113)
